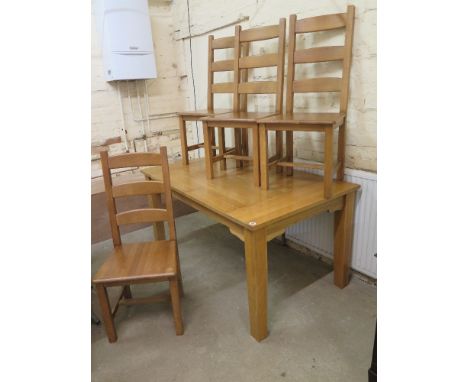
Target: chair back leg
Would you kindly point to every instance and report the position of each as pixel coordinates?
(127, 293)
(279, 149)
(289, 151)
(263, 143)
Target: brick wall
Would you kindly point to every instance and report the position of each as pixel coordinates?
(173, 91)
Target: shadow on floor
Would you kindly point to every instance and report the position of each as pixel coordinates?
(317, 331)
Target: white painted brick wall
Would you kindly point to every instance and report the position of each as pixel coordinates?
(212, 16)
(172, 91)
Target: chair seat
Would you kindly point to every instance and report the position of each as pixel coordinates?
(306, 118)
(241, 116)
(139, 262)
(202, 113)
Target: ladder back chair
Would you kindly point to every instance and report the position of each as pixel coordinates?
(321, 122)
(213, 88)
(240, 119)
(143, 262)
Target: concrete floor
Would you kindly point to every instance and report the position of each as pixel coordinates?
(317, 331)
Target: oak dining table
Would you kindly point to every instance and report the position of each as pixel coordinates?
(257, 216)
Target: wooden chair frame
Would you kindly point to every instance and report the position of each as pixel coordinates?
(120, 269)
(240, 119)
(321, 122)
(212, 89)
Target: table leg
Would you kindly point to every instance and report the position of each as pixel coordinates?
(256, 263)
(343, 245)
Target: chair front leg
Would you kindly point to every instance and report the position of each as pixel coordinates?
(208, 150)
(238, 146)
(222, 147)
(245, 145)
(183, 140)
(106, 313)
(176, 311)
(213, 141)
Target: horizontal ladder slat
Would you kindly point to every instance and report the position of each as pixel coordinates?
(263, 61)
(138, 188)
(238, 157)
(322, 54)
(162, 297)
(317, 85)
(300, 164)
(223, 87)
(142, 215)
(321, 23)
(261, 33)
(217, 158)
(222, 66)
(258, 87)
(195, 147)
(223, 43)
(134, 160)
(274, 158)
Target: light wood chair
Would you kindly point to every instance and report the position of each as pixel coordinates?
(213, 88)
(143, 262)
(321, 122)
(241, 119)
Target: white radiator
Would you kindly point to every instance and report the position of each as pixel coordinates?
(316, 233)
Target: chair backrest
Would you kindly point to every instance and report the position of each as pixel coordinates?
(320, 54)
(245, 62)
(218, 66)
(221, 66)
(147, 187)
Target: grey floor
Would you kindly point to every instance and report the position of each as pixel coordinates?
(317, 331)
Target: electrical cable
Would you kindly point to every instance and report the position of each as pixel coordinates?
(191, 69)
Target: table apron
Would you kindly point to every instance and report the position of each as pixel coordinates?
(235, 228)
(280, 225)
(272, 230)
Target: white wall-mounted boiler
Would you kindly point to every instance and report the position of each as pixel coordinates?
(127, 41)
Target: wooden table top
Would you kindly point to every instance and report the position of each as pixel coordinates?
(233, 195)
